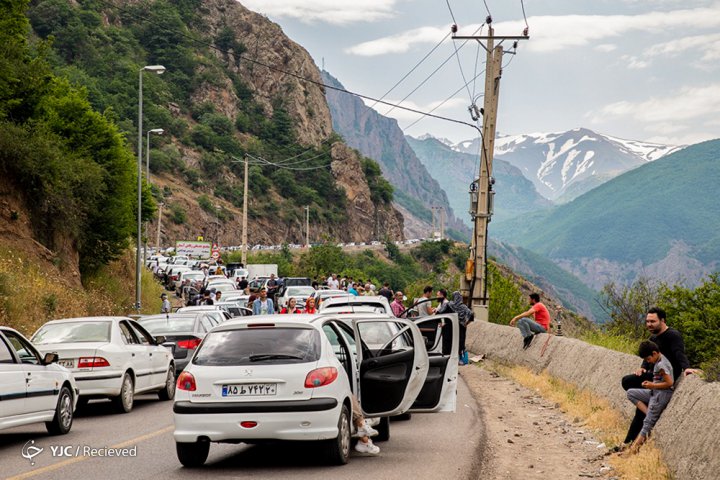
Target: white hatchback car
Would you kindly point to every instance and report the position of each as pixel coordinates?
(270, 378)
(110, 357)
(33, 388)
(349, 302)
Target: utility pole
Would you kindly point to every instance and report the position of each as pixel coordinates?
(474, 283)
(432, 232)
(157, 238)
(307, 226)
(442, 223)
(244, 216)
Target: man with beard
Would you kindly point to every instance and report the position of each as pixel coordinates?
(670, 343)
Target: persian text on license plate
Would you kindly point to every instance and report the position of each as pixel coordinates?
(66, 363)
(252, 389)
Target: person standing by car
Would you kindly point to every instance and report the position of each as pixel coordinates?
(291, 307)
(243, 285)
(397, 306)
(272, 286)
(218, 296)
(263, 305)
(332, 282)
(386, 292)
(310, 306)
(166, 307)
(424, 304)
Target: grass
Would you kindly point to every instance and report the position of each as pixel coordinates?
(613, 342)
(598, 415)
(31, 292)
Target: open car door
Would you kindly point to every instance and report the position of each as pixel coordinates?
(441, 335)
(392, 364)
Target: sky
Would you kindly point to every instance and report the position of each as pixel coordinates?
(636, 69)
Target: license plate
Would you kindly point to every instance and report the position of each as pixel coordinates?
(249, 390)
(66, 363)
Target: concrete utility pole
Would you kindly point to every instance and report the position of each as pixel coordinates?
(244, 218)
(157, 238)
(474, 283)
(307, 226)
(442, 223)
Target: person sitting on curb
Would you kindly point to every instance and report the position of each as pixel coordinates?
(529, 327)
(654, 395)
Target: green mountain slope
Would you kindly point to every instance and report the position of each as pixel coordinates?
(637, 219)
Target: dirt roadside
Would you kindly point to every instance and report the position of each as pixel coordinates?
(527, 437)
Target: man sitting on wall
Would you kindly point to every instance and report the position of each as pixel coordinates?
(539, 323)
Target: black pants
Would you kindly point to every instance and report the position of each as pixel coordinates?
(447, 338)
(634, 381)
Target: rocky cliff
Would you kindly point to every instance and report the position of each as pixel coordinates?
(381, 139)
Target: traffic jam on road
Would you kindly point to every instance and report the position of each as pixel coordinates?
(236, 370)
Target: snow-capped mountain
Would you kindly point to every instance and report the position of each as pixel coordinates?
(567, 164)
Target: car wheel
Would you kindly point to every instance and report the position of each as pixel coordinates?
(383, 429)
(123, 403)
(192, 454)
(338, 449)
(61, 423)
(168, 391)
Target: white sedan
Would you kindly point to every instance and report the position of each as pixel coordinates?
(300, 293)
(269, 378)
(33, 388)
(110, 357)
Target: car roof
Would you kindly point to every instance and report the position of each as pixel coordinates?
(301, 320)
(198, 308)
(88, 319)
(190, 314)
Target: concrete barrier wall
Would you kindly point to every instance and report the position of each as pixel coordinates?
(688, 433)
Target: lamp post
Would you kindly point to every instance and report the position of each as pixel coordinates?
(157, 69)
(157, 131)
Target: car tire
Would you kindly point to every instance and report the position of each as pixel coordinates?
(383, 429)
(192, 455)
(123, 403)
(63, 419)
(168, 391)
(338, 449)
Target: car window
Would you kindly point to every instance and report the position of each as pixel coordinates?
(169, 324)
(144, 337)
(23, 349)
(127, 335)
(6, 355)
(73, 332)
(206, 323)
(259, 346)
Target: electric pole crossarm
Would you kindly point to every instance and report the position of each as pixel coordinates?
(506, 37)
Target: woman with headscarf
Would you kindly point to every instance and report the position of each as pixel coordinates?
(465, 316)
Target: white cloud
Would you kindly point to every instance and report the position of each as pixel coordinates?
(336, 12)
(635, 63)
(554, 33)
(606, 47)
(709, 45)
(684, 117)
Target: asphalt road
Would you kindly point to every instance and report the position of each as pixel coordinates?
(429, 446)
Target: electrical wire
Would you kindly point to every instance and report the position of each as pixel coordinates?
(451, 12)
(522, 5)
(286, 72)
(443, 102)
(398, 105)
(487, 8)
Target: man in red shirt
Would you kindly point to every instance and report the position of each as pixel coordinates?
(529, 327)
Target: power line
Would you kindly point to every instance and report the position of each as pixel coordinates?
(394, 106)
(285, 72)
(522, 5)
(451, 12)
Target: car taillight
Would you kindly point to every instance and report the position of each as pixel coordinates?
(248, 424)
(321, 377)
(92, 362)
(189, 344)
(186, 382)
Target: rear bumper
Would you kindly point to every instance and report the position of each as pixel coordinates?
(314, 419)
(98, 383)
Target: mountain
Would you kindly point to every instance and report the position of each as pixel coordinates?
(454, 171)
(224, 95)
(381, 139)
(566, 164)
(658, 220)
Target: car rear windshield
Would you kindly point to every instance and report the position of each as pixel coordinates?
(259, 346)
(71, 332)
(176, 324)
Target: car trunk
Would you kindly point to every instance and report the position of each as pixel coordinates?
(70, 353)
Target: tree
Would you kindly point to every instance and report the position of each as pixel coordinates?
(627, 305)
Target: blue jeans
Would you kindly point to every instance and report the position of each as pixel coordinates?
(528, 327)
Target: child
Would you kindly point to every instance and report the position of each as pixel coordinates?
(654, 396)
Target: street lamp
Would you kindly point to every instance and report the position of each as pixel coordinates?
(158, 69)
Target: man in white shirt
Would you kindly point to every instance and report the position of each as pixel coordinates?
(423, 304)
(333, 282)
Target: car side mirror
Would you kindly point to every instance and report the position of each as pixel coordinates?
(160, 339)
(50, 357)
